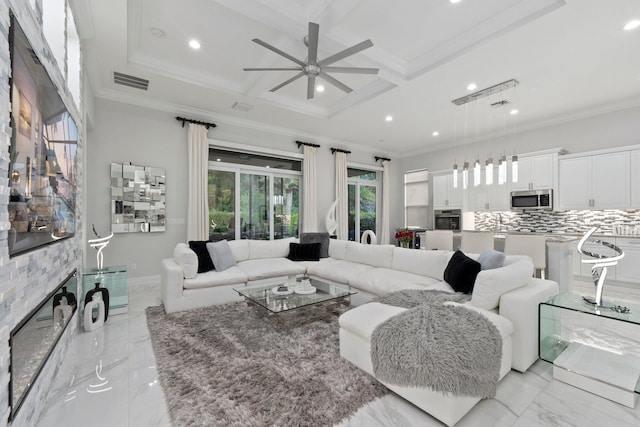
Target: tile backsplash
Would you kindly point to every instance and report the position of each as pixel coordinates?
(608, 221)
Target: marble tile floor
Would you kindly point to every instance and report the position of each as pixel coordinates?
(110, 379)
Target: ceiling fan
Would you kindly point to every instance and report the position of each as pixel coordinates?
(312, 67)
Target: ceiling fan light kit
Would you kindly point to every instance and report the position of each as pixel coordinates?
(313, 67)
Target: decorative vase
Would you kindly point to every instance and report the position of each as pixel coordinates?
(90, 323)
(105, 297)
(70, 298)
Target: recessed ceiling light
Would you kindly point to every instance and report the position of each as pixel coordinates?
(195, 44)
(435, 133)
(217, 160)
(471, 86)
(267, 166)
(389, 118)
(632, 25)
(320, 88)
(514, 112)
(455, 1)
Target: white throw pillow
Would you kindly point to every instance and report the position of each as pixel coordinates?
(492, 284)
(221, 255)
(186, 259)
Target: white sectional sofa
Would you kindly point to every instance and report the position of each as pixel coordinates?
(508, 296)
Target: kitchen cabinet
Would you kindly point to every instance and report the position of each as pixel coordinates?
(600, 181)
(635, 179)
(445, 196)
(535, 172)
(628, 268)
(492, 197)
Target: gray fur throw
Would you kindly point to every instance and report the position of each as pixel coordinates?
(446, 348)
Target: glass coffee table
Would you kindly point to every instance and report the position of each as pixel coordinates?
(264, 295)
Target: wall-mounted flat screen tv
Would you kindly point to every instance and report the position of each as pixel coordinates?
(42, 169)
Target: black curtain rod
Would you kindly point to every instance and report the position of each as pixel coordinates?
(381, 158)
(307, 143)
(340, 150)
(197, 122)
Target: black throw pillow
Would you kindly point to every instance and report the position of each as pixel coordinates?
(304, 252)
(461, 272)
(322, 238)
(204, 259)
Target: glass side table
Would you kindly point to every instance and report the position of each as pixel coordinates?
(114, 278)
(593, 348)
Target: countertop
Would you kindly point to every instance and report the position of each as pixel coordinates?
(553, 237)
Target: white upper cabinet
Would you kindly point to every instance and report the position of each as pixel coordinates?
(600, 181)
(535, 172)
(635, 179)
(492, 197)
(444, 195)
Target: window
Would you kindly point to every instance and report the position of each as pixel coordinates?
(362, 201)
(416, 198)
(253, 196)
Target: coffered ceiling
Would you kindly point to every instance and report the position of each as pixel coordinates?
(572, 58)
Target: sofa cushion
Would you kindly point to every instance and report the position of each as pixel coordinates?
(204, 259)
(221, 255)
(338, 248)
(304, 251)
(259, 249)
(373, 255)
(504, 325)
(461, 272)
(363, 319)
(384, 280)
(490, 258)
(230, 276)
(424, 263)
(186, 259)
(491, 284)
(264, 268)
(240, 249)
(338, 271)
(322, 238)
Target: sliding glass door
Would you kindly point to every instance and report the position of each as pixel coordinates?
(362, 202)
(252, 204)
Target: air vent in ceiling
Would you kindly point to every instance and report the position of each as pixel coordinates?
(500, 103)
(131, 81)
(241, 106)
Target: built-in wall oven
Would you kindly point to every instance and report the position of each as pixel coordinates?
(449, 219)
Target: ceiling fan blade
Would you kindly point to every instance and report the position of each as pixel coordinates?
(351, 70)
(335, 82)
(292, 79)
(279, 52)
(312, 42)
(347, 52)
(311, 87)
(272, 69)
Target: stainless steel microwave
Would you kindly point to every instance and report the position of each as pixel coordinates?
(535, 199)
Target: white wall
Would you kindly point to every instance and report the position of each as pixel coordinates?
(124, 133)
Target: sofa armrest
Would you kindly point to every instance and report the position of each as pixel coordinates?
(521, 307)
(172, 280)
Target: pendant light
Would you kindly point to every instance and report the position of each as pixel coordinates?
(455, 175)
(502, 170)
(476, 172)
(488, 168)
(514, 168)
(465, 175)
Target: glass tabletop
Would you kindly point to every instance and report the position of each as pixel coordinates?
(575, 302)
(264, 295)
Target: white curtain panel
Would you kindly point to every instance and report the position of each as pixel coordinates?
(198, 200)
(342, 192)
(309, 190)
(384, 227)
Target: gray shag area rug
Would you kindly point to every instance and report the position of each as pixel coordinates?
(447, 348)
(234, 365)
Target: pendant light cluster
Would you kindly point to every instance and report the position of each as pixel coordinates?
(488, 165)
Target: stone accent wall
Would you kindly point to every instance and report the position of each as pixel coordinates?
(27, 279)
(558, 221)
